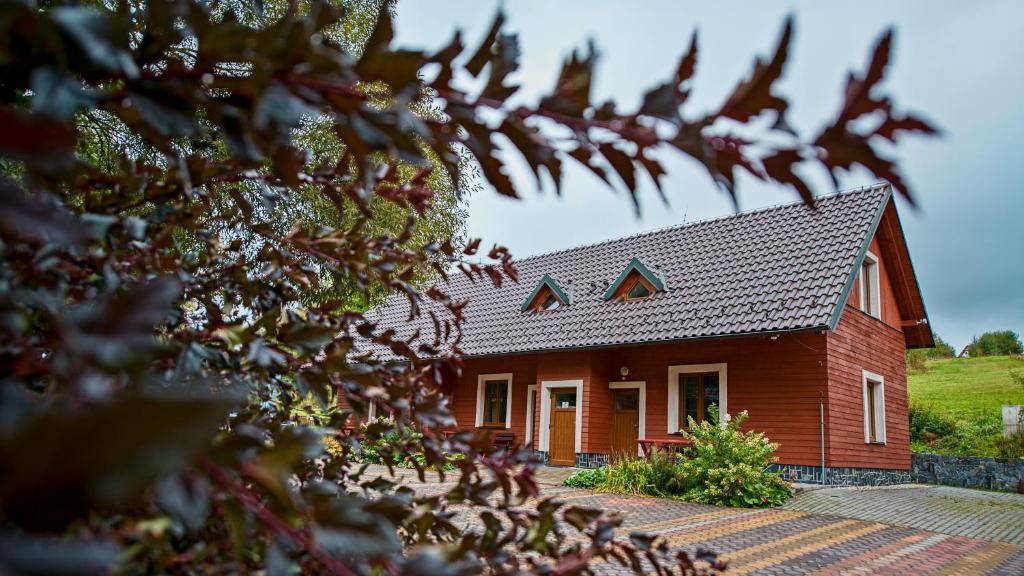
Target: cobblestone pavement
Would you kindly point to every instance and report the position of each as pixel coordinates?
(958, 511)
(788, 541)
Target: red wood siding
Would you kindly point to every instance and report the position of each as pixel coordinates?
(523, 369)
(863, 343)
(780, 382)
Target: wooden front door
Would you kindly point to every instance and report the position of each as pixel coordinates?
(625, 422)
(562, 437)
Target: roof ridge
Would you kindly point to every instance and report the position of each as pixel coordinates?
(763, 209)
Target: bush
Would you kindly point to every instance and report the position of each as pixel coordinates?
(642, 476)
(390, 447)
(928, 423)
(1012, 447)
(591, 478)
(728, 466)
(998, 343)
(937, 432)
(725, 466)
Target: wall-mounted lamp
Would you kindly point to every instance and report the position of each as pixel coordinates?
(624, 371)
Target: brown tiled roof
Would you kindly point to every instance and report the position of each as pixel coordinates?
(778, 269)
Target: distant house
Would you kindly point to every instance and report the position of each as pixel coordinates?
(966, 352)
(783, 312)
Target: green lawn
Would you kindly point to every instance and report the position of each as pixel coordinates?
(955, 406)
(968, 386)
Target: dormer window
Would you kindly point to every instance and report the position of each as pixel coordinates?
(550, 303)
(636, 282)
(870, 295)
(546, 296)
(639, 290)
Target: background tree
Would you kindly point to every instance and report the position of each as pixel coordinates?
(156, 317)
(916, 358)
(996, 343)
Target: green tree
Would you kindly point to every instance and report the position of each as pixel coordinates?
(916, 358)
(996, 343)
(160, 325)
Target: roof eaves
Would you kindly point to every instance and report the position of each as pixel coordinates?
(844, 296)
(637, 266)
(552, 285)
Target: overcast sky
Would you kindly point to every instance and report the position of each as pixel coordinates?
(959, 64)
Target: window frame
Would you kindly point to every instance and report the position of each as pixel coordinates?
(873, 390)
(674, 372)
(481, 400)
(868, 284)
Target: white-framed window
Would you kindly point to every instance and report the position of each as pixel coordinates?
(867, 280)
(874, 408)
(692, 389)
(494, 400)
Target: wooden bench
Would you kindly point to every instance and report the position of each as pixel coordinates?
(503, 439)
(676, 445)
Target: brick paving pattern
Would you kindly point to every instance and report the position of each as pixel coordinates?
(958, 511)
(791, 540)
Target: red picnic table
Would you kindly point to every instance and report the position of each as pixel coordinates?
(671, 444)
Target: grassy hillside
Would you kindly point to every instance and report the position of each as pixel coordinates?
(968, 386)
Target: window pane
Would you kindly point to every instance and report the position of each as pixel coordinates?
(565, 399)
(639, 290)
(495, 399)
(710, 394)
(626, 401)
(550, 303)
(690, 393)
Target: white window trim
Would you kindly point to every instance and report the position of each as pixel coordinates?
(529, 413)
(481, 383)
(879, 406)
(673, 390)
(640, 385)
(876, 296)
(545, 411)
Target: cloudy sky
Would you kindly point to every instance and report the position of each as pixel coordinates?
(959, 64)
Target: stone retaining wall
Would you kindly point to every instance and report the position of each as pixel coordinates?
(1003, 474)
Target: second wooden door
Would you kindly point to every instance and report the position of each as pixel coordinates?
(563, 427)
(625, 422)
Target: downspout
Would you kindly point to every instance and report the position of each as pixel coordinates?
(821, 426)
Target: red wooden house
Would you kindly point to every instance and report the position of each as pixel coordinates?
(799, 316)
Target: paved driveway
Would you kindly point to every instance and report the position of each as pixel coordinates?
(794, 541)
(988, 515)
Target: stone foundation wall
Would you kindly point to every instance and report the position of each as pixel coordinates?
(841, 476)
(591, 460)
(1003, 474)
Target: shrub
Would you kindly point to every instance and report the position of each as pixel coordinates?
(642, 476)
(928, 423)
(390, 447)
(591, 478)
(725, 466)
(1012, 447)
(939, 433)
(728, 466)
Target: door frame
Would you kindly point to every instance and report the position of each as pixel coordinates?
(531, 398)
(640, 385)
(545, 412)
(673, 390)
